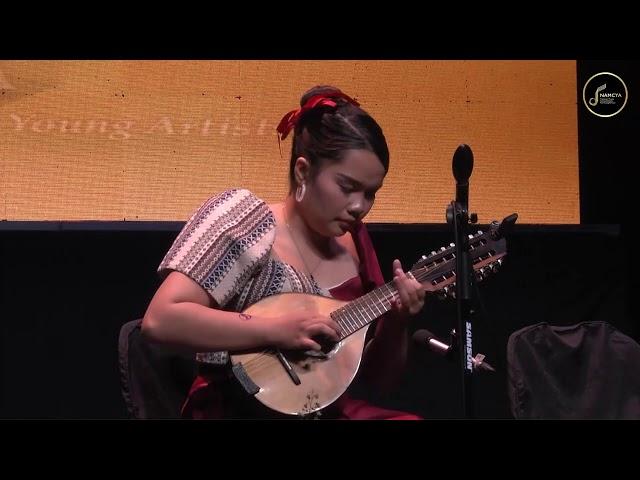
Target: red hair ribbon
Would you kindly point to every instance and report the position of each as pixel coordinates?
(289, 121)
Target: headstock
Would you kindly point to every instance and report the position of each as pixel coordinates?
(437, 271)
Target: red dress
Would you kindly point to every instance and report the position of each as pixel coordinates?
(209, 397)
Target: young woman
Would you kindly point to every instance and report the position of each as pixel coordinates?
(237, 250)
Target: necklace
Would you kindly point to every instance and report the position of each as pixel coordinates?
(293, 239)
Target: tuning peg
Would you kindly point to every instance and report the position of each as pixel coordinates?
(452, 290)
(480, 232)
(452, 244)
(483, 273)
(443, 294)
(433, 252)
(442, 249)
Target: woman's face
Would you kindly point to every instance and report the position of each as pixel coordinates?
(342, 192)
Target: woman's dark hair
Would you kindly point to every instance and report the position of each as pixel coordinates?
(325, 133)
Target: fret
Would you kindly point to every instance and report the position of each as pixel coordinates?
(349, 318)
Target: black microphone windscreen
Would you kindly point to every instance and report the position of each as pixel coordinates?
(422, 336)
(462, 163)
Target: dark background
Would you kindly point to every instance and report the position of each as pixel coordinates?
(66, 289)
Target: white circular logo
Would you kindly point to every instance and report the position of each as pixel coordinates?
(605, 94)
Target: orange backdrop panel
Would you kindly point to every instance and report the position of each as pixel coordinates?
(151, 140)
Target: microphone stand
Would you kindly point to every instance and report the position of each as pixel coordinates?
(459, 218)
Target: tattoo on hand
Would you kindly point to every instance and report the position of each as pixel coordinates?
(244, 316)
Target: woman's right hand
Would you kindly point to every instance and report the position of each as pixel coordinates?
(301, 330)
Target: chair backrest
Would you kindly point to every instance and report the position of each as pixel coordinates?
(585, 371)
(154, 380)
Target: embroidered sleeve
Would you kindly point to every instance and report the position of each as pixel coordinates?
(225, 241)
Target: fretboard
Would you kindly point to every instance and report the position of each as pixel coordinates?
(361, 312)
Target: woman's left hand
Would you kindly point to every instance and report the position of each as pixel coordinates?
(410, 297)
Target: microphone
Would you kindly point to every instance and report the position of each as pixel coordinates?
(425, 337)
(462, 167)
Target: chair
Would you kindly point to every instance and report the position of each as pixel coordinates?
(585, 371)
(154, 380)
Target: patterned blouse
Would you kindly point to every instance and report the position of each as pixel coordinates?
(226, 247)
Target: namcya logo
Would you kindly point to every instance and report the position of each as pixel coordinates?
(605, 94)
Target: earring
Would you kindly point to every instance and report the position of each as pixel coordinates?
(300, 191)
